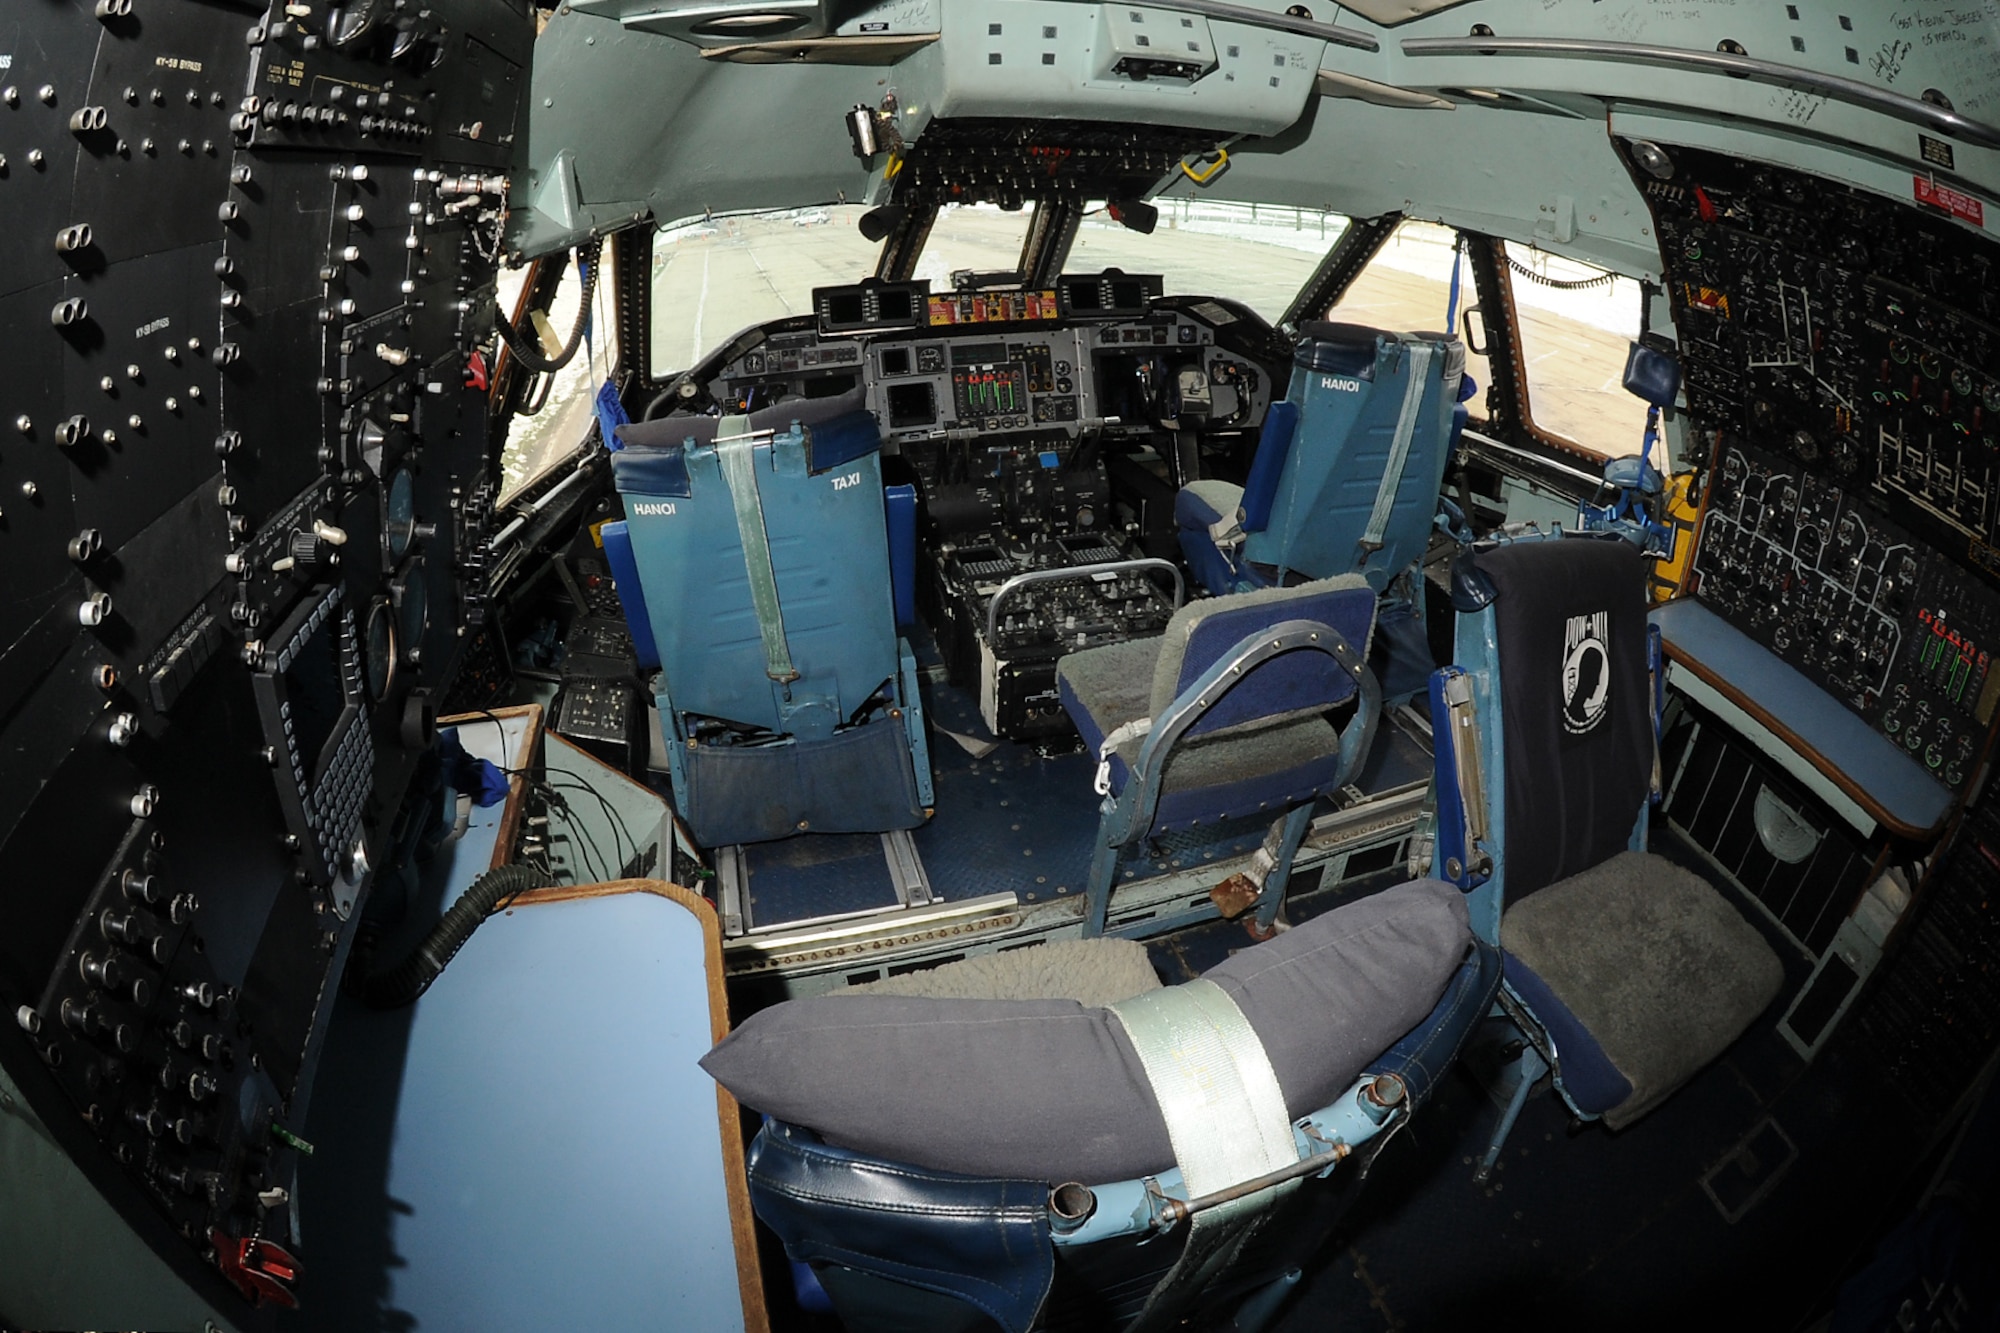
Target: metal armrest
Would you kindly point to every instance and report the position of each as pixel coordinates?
(1464, 853)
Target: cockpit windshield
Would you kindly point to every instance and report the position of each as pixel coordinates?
(713, 276)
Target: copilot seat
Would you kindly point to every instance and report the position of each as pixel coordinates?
(1346, 474)
(787, 701)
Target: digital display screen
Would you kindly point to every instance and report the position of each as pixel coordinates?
(1083, 296)
(895, 361)
(314, 694)
(895, 306)
(978, 354)
(845, 308)
(1128, 295)
(911, 405)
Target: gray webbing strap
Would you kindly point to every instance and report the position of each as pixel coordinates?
(1225, 1117)
(736, 451)
(1421, 355)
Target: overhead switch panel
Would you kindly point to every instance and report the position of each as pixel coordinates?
(1141, 44)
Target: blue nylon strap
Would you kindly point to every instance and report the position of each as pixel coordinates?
(1451, 304)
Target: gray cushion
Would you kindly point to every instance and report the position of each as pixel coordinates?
(1114, 683)
(1049, 1090)
(1654, 963)
(1222, 498)
(1091, 972)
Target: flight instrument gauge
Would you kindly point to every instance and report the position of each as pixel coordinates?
(348, 22)
(411, 597)
(379, 648)
(399, 524)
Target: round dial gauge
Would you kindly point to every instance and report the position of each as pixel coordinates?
(352, 21)
(381, 649)
(412, 610)
(399, 524)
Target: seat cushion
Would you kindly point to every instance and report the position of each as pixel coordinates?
(1648, 959)
(1102, 689)
(1091, 972)
(1208, 778)
(1197, 508)
(1051, 1090)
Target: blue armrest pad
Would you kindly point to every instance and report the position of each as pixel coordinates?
(1423, 1055)
(1281, 426)
(625, 574)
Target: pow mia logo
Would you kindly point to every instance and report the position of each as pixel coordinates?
(1586, 678)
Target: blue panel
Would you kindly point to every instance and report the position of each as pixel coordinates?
(1274, 448)
(1347, 429)
(901, 502)
(494, 1158)
(631, 596)
(1890, 780)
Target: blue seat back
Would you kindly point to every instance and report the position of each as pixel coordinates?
(1288, 686)
(1359, 391)
(818, 484)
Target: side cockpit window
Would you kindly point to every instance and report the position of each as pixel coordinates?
(1576, 323)
(1407, 287)
(556, 415)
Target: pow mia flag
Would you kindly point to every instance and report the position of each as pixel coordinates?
(1586, 672)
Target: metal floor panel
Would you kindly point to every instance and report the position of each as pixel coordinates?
(1014, 821)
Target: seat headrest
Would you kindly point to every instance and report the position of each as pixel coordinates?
(837, 430)
(1575, 709)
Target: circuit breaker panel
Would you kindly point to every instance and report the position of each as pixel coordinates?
(247, 309)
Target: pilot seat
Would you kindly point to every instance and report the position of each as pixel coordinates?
(1346, 474)
(789, 704)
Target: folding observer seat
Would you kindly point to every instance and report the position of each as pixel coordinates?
(788, 702)
(1346, 474)
(1224, 716)
(1046, 1138)
(1625, 973)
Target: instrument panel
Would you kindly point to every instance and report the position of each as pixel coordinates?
(1094, 354)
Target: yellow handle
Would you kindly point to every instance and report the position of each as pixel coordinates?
(1221, 161)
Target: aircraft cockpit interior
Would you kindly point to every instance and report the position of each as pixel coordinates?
(999, 666)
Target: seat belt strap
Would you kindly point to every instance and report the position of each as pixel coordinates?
(1119, 735)
(1421, 355)
(1225, 1117)
(736, 452)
